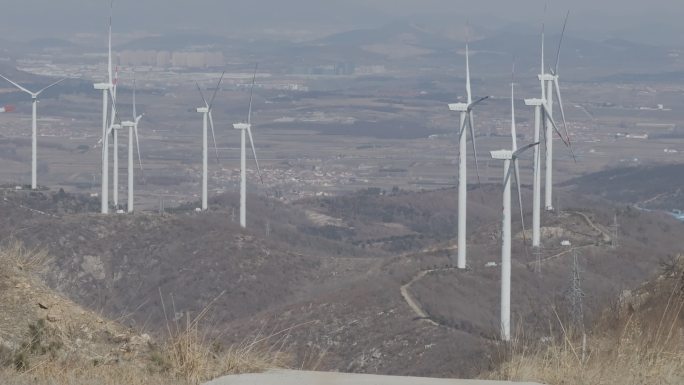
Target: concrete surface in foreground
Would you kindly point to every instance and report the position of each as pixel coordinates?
(293, 377)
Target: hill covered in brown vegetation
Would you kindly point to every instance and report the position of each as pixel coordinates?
(333, 273)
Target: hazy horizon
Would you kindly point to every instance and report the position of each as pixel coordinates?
(654, 22)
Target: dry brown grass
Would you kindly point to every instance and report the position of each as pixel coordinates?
(52, 373)
(643, 346)
(190, 354)
(36, 351)
(13, 254)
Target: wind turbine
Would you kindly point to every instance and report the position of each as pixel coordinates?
(207, 118)
(34, 126)
(549, 84)
(132, 126)
(509, 156)
(542, 116)
(465, 110)
(246, 128)
(106, 89)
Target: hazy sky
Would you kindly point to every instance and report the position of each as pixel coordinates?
(33, 18)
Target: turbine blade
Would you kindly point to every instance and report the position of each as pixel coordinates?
(472, 136)
(560, 43)
(109, 55)
(137, 143)
(251, 95)
(463, 129)
(548, 117)
(116, 79)
(565, 123)
(519, 152)
(135, 110)
(17, 85)
(211, 103)
(251, 141)
(520, 202)
(513, 70)
(468, 88)
(213, 135)
(543, 70)
(472, 105)
(112, 95)
(112, 92)
(202, 95)
(50, 86)
(514, 133)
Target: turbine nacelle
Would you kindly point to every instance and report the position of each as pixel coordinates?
(458, 107)
(116, 126)
(103, 86)
(128, 124)
(534, 102)
(466, 107)
(547, 77)
(242, 126)
(502, 155)
(203, 110)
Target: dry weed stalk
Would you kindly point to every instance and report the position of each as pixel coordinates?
(13, 253)
(639, 353)
(195, 357)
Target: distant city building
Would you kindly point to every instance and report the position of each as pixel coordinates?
(343, 68)
(371, 70)
(166, 59)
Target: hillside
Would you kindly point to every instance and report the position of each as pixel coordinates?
(331, 276)
(657, 187)
(45, 332)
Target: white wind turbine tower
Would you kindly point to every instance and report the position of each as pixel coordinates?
(508, 157)
(115, 133)
(132, 132)
(542, 116)
(246, 128)
(112, 127)
(549, 84)
(207, 119)
(106, 89)
(34, 126)
(465, 110)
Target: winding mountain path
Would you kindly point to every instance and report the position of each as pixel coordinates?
(424, 316)
(411, 301)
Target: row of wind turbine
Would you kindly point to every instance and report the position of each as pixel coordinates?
(111, 127)
(544, 124)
